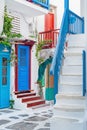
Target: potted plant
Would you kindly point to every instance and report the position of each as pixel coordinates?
(11, 101)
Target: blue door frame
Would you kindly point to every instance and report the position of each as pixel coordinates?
(23, 68)
(4, 80)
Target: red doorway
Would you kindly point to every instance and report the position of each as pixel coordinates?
(49, 21)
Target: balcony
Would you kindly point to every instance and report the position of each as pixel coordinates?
(28, 8)
(43, 3)
(49, 37)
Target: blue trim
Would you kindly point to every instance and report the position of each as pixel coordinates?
(66, 4)
(84, 73)
(43, 3)
(83, 26)
(4, 88)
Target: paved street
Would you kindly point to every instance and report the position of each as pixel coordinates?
(36, 119)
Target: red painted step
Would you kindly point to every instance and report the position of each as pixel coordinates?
(25, 95)
(32, 98)
(35, 103)
(29, 91)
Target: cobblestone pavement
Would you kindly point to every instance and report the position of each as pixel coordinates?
(13, 119)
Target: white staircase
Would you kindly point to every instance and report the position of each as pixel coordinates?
(70, 104)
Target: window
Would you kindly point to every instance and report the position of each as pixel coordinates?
(4, 71)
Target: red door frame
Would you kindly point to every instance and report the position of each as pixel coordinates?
(16, 68)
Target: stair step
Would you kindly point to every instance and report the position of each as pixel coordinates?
(21, 92)
(31, 98)
(74, 49)
(41, 106)
(71, 108)
(63, 99)
(70, 83)
(72, 95)
(71, 79)
(67, 70)
(73, 60)
(66, 88)
(75, 111)
(35, 103)
(25, 95)
(77, 40)
(72, 53)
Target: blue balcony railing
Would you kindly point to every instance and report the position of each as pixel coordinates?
(76, 23)
(43, 3)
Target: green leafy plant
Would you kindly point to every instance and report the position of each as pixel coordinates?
(39, 47)
(7, 27)
(7, 35)
(11, 102)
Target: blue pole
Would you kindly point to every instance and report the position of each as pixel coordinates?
(66, 4)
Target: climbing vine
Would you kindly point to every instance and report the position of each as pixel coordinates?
(7, 35)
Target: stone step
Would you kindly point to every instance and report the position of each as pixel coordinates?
(75, 111)
(67, 70)
(67, 53)
(73, 60)
(71, 79)
(74, 49)
(78, 40)
(67, 88)
(69, 98)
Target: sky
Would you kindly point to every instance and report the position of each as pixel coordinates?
(75, 6)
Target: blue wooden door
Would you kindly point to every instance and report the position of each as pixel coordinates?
(4, 81)
(23, 67)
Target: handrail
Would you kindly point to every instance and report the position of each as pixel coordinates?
(76, 23)
(57, 59)
(84, 72)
